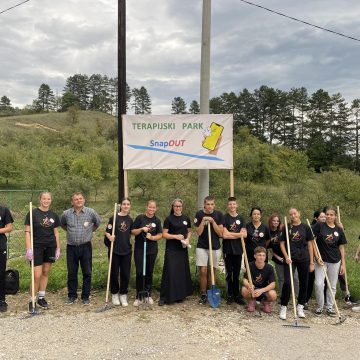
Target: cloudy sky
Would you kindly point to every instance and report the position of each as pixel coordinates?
(45, 41)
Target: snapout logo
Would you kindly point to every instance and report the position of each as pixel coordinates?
(167, 143)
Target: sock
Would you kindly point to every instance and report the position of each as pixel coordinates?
(41, 294)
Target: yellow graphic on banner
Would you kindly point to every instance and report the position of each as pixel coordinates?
(213, 134)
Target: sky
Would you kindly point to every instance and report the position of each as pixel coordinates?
(44, 41)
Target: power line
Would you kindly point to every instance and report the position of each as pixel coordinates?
(12, 7)
(301, 21)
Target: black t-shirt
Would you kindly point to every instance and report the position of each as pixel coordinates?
(299, 235)
(233, 224)
(203, 239)
(154, 227)
(261, 277)
(5, 218)
(255, 237)
(274, 244)
(328, 240)
(177, 225)
(123, 227)
(44, 223)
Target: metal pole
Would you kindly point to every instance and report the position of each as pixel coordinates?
(203, 174)
(121, 91)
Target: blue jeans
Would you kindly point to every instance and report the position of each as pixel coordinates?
(74, 255)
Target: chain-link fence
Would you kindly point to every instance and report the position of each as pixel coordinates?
(18, 203)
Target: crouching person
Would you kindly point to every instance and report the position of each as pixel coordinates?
(263, 278)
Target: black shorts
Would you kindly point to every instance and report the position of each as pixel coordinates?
(44, 255)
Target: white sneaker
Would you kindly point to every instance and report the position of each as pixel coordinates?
(282, 314)
(150, 300)
(356, 309)
(137, 302)
(115, 299)
(300, 311)
(123, 300)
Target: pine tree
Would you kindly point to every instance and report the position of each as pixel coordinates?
(142, 101)
(46, 98)
(194, 107)
(5, 103)
(178, 106)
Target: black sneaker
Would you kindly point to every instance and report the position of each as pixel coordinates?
(43, 303)
(32, 309)
(229, 300)
(331, 312)
(203, 299)
(3, 306)
(85, 302)
(240, 300)
(70, 300)
(306, 306)
(161, 302)
(318, 312)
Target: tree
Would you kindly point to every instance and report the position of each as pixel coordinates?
(68, 100)
(194, 107)
(5, 103)
(178, 106)
(142, 101)
(46, 98)
(355, 111)
(78, 85)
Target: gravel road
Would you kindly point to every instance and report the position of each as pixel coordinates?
(186, 330)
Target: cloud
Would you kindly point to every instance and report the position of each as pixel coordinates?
(45, 42)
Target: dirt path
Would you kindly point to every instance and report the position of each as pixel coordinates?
(186, 330)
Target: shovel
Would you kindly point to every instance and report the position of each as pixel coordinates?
(340, 318)
(144, 294)
(108, 306)
(213, 294)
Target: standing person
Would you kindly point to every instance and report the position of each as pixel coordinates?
(6, 226)
(121, 257)
(176, 282)
(257, 233)
(79, 222)
(234, 229)
(46, 245)
(146, 226)
(216, 220)
(319, 216)
(330, 239)
(274, 244)
(302, 259)
(263, 278)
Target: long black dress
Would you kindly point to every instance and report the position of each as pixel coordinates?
(176, 282)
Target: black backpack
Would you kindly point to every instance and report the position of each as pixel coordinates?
(11, 282)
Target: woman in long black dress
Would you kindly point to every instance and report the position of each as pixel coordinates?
(176, 282)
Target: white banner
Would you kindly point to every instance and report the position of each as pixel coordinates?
(178, 141)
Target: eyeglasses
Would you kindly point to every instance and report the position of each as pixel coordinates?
(178, 206)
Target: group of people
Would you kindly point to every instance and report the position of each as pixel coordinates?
(256, 238)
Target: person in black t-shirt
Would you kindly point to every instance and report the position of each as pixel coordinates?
(257, 233)
(263, 278)
(234, 228)
(121, 258)
(46, 245)
(176, 282)
(274, 244)
(330, 240)
(146, 226)
(216, 220)
(301, 246)
(6, 221)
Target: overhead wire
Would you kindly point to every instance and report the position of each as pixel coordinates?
(12, 7)
(299, 20)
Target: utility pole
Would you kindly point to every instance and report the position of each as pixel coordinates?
(203, 174)
(121, 92)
